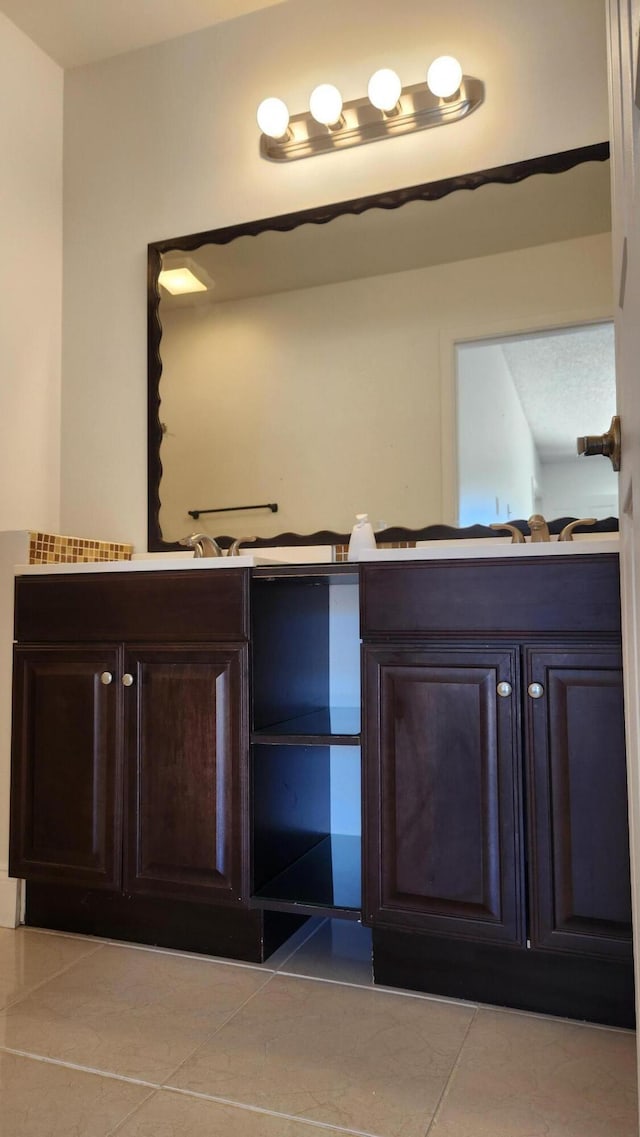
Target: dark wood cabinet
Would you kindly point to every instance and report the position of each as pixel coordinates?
(155, 735)
(186, 775)
(496, 852)
(131, 758)
(66, 781)
(579, 841)
(130, 814)
(442, 767)
(181, 777)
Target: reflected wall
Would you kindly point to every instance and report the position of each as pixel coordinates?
(328, 400)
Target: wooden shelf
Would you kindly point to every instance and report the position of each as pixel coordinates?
(324, 881)
(333, 573)
(329, 726)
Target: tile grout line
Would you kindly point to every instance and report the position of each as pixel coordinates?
(279, 970)
(153, 949)
(181, 954)
(271, 972)
(452, 1072)
(176, 953)
(376, 989)
(334, 982)
(203, 1042)
(298, 1118)
(100, 942)
(542, 1017)
(310, 936)
(157, 1088)
(38, 931)
(132, 1112)
(54, 975)
(81, 1069)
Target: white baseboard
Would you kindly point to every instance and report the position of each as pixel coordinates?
(10, 899)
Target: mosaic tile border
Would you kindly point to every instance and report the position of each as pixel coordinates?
(342, 551)
(52, 548)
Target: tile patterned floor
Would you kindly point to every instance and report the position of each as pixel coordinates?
(98, 1039)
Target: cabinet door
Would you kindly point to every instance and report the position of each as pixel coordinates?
(187, 762)
(66, 792)
(579, 841)
(441, 760)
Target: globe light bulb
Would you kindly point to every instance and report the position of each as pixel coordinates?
(273, 117)
(444, 76)
(384, 89)
(325, 104)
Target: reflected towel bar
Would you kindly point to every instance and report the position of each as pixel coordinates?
(272, 505)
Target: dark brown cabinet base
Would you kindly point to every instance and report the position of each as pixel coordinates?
(232, 933)
(575, 987)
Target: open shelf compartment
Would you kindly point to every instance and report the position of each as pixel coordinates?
(305, 754)
(323, 881)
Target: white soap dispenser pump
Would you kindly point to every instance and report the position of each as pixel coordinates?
(362, 540)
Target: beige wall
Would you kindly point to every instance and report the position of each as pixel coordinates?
(163, 141)
(31, 88)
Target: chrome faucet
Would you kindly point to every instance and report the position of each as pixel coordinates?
(234, 551)
(566, 534)
(517, 537)
(202, 544)
(538, 528)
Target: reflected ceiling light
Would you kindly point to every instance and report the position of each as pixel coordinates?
(325, 105)
(444, 76)
(179, 281)
(384, 90)
(273, 118)
(390, 109)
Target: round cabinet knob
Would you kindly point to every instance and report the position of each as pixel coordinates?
(106, 678)
(504, 689)
(127, 680)
(535, 690)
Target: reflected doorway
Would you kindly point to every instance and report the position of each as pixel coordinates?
(521, 403)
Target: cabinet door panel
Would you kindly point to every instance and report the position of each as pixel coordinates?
(442, 800)
(578, 801)
(188, 757)
(66, 794)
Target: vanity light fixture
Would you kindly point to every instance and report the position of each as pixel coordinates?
(444, 76)
(384, 90)
(325, 106)
(388, 110)
(273, 118)
(180, 281)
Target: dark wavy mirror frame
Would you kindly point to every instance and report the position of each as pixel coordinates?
(430, 191)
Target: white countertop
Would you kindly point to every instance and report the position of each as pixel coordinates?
(479, 549)
(150, 562)
(485, 547)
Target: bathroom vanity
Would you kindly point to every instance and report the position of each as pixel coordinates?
(176, 758)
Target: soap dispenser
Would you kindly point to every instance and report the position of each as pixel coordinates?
(362, 540)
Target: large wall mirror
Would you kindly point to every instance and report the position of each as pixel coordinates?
(315, 369)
